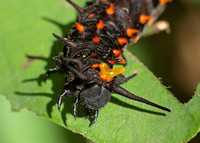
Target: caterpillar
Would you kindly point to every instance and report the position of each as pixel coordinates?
(95, 43)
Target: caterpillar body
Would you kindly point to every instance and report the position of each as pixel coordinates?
(95, 43)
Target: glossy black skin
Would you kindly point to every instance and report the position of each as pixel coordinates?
(82, 80)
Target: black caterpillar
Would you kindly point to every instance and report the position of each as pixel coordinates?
(95, 44)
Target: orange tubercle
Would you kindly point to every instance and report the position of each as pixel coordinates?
(93, 54)
(130, 31)
(100, 24)
(91, 15)
(110, 10)
(116, 52)
(123, 61)
(122, 41)
(164, 1)
(95, 66)
(96, 39)
(107, 74)
(144, 18)
(112, 62)
(79, 27)
(103, 0)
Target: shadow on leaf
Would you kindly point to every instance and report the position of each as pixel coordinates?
(56, 79)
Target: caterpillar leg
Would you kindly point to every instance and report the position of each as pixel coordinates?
(95, 116)
(66, 92)
(77, 92)
(55, 69)
(51, 70)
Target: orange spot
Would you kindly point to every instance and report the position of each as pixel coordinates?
(95, 66)
(107, 74)
(110, 10)
(135, 39)
(91, 15)
(112, 62)
(144, 18)
(103, 0)
(122, 41)
(123, 61)
(100, 24)
(130, 31)
(79, 27)
(96, 39)
(116, 52)
(164, 1)
(93, 54)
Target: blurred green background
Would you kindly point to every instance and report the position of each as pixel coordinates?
(26, 127)
(174, 58)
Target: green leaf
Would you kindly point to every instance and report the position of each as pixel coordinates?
(26, 30)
